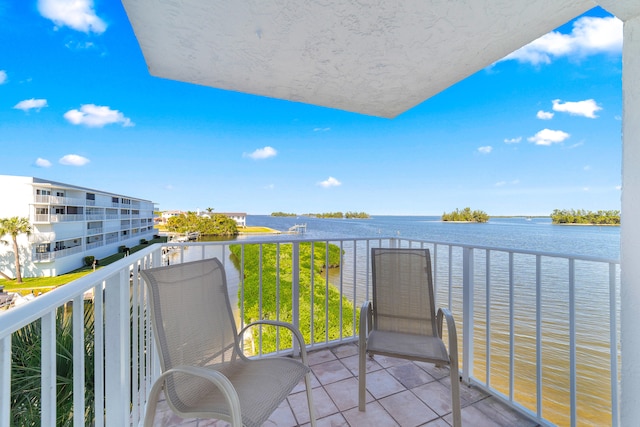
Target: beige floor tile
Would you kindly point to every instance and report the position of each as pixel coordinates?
(407, 409)
(499, 413)
(320, 356)
(322, 403)
(410, 375)
(335, 420)
(345, 393)
(436, 396)
(437, 423)
(352, 363)
(330, 372)
(387, 362)
(375, 415)
(433, 370)
(302, 387)
(345, 350)
(282, 417)
(382, 384)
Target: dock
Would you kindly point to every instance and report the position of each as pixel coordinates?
(298, 228)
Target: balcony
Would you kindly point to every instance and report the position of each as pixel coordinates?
(538, 335)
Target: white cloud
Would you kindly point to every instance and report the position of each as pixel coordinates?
(589, 35)
(96, 116)
(618, 187)
(586, 108)
(42, 163)
(586, 168)
(76, 14)
(503, 183)
(31, 104)
(548, 137)
(330, 182)
(261, 153)
(486, 149)
(321, 129)
(544, 115)
(168, 187)
(73, 160)
(3, 77)
(269, 187)
(513, 140)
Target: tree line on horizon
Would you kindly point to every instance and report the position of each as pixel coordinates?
(466, 215)
(347, 215)
(581, 216)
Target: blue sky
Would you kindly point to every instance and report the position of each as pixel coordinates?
(536, 131)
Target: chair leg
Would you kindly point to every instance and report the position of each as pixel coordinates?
(455, 396)
(312, 411)
(362, 379)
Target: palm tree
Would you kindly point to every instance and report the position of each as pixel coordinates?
(14, 226)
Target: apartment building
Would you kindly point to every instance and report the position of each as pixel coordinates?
(68, 223)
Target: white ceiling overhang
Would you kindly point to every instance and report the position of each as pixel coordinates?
(379, 58)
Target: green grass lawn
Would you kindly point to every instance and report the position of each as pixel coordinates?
(247, 230)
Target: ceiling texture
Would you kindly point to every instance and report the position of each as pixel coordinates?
(378, 57)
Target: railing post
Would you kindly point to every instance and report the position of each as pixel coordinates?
(5, 380)
(295, 290)
(117, 349)
(467, 313)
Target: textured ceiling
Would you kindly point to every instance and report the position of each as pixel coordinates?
(379, 58)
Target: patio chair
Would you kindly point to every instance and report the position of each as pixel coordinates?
(401, 321)
(204, 371)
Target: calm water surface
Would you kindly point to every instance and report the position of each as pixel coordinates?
(511, 233)
(535, 234)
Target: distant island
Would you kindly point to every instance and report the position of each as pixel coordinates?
(584, 217)
(282, 214)
(465, 215)
(348, 215)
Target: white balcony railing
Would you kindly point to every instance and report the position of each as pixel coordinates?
(50, 256)
(539, 331)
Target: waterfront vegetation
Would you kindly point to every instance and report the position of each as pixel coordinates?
(466, 215)
(216, 225)
(580, 216)
(275, 292)
(348, 215)
(282, 214)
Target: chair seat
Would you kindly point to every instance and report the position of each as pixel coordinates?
(417, 347)
(261, 384)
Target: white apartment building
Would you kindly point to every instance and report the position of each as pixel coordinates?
(68, 223)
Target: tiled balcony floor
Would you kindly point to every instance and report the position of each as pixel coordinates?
(400, 393)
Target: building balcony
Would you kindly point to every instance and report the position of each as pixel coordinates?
(538, 335)
(53, 255)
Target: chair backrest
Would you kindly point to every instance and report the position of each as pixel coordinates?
(403, 299)
(192, 320)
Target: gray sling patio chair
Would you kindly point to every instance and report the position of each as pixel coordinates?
(401, 320)
(204, 371)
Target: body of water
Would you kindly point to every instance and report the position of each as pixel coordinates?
(537, 234)
(591, 295)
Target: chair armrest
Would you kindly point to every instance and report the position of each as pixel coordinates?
(366, 320)
(451, 331)
(293, 329)
(217, 378)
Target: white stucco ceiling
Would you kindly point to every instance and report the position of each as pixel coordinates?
(378, 57)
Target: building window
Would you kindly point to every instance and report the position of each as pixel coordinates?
(40, 192)
(91, 196)
(43, 248)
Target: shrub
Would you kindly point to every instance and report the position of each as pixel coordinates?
(143, 241)
(122, 249)
(88, 260)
